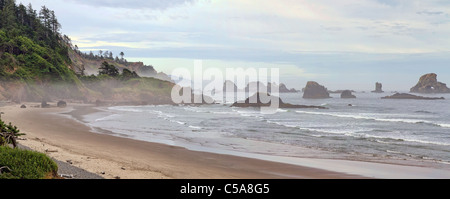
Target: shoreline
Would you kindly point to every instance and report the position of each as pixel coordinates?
(112, 157)
(206, 165)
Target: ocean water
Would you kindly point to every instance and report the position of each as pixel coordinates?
(371, 129)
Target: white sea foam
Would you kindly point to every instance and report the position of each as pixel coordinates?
(109, 117)
(364, 116)
(195, 127)
(127, 109)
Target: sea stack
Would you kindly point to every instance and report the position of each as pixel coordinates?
(428, 84)
(284, 89)
(347, 94)
(378, 88)
(409, 96)
(313, 90)
(256, 100)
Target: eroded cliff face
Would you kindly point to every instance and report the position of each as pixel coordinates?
(313, 90)
(428, 84)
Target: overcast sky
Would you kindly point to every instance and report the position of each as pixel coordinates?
(345, 44)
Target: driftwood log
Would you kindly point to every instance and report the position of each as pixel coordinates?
(5, 168)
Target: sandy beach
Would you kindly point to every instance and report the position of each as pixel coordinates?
(67, 140)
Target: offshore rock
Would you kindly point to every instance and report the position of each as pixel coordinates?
(257, 99)
(428, 84)
(313, 90)
(347, 94)
(378, 88)
(409, 96)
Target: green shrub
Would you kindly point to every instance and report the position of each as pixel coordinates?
(26, 164)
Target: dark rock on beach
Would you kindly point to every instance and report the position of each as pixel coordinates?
(409, 96)
(428, 84)
(313, 90)
(45, 105)
(265, 99)
(61, 104)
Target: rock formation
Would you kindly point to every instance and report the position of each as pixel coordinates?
(378, 88)
(261, 87)
(61, 104)
(23, 106)
(347, 94)
(313, 90)
(266, 97)
(409, 96)
(45, 105)
(339, 91)
(428, 84)
(283, 89)
(229, 85)
(255, 87)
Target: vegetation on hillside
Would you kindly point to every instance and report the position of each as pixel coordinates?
(31, 47)
(37, 62)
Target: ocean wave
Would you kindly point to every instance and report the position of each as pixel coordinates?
(109, 117)
(282, 110)
(403, 120)
(195, 109)
(195, 127)
(426, 112)
(126, 109)
(444, 125)
(378, 138)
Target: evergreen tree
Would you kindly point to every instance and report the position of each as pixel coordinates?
(8, 15)
(107, 69)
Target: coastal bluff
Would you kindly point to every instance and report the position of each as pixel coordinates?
(428, 84)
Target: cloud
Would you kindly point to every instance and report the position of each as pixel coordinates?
(135, 4)
(430, 13)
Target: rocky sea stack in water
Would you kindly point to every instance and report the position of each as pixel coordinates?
(378, 88)
(428, 84)
(265, 99)
(409, 96)
(313, 90)
(347, 94)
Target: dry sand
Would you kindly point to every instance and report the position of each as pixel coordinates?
(65, 139)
